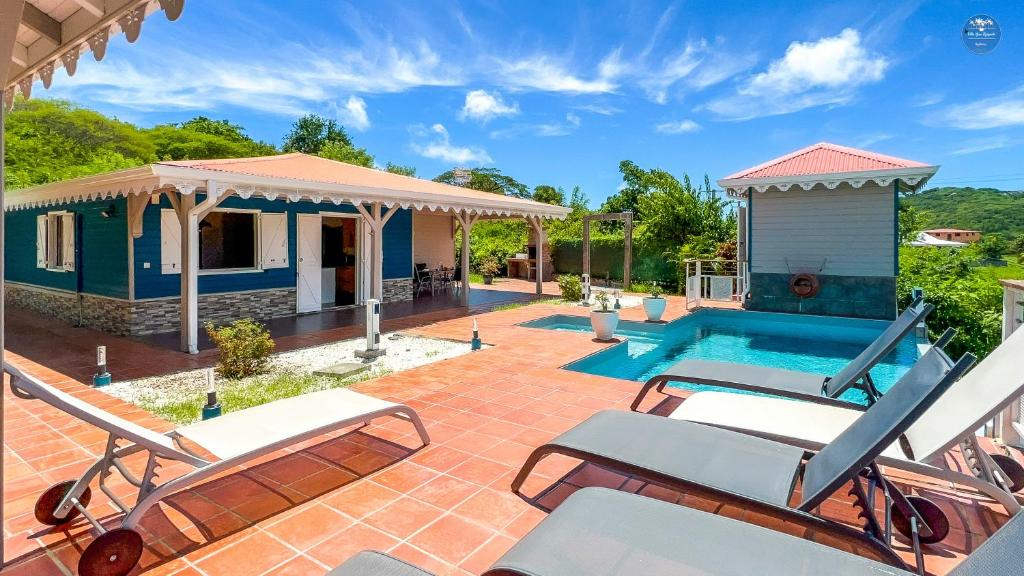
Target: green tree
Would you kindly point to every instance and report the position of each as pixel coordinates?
(1017, 246)
(910, 223)
(347, 153)
(548, 195)
(203, 138)
(400, 169)
(992, 246)
(485, 179)
(311, 133)
(51, 140)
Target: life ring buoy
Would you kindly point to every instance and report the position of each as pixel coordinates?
(804, 285)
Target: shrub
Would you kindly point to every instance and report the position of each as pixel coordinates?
(243, 347)
(490, 267)
(571, 287)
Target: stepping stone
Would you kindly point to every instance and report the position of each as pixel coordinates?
(343, 369)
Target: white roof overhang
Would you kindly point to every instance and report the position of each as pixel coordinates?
(55, 33)
(185, 180)
(909, 178)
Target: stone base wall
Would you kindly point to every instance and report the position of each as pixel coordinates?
(855, 296)
(397, 289)
(163, 314)
(98, 312)
(123, 318)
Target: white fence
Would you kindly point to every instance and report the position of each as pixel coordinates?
(715, 280)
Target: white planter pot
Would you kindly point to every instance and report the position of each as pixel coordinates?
(654, 307)
(604, 323)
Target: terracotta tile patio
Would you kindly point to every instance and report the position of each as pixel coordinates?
(446, 507)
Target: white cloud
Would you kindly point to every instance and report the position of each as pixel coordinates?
(672, 70)
(928, 99)
(353, 114)
(871, 139)
(681, 127)
(982, 145)
(824, 72)
(141, 80)
(601, 109)
(546, 74)
(544, 130)
(999, 111)
(483, 106)
(435, 143)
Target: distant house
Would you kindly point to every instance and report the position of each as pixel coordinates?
(819, 230)
(926, 239)
(955, 234)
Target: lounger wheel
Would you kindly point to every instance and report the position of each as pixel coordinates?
(47, 503)
(933, 516)
(114, 553)
(1013, 472)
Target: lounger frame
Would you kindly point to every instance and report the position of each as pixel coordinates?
(160, 447)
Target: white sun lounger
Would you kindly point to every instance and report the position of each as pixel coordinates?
(971, 402)
(234, 439)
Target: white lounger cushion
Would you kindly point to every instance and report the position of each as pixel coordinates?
(803, 424)
(247, 430)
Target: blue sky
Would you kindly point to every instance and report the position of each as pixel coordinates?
(559, 92)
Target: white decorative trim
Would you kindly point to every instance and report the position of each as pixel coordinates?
(912, 177)
(126, 18)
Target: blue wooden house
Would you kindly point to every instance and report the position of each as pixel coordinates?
(166, 246)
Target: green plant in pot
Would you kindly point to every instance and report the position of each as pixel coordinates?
(604, 320)
(489, 269)
(654, 305)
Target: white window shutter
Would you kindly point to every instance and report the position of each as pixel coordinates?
(67, 241)
(41, 241)
(170, 242)
(273, 240)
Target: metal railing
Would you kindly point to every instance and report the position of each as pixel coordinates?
(714, 280)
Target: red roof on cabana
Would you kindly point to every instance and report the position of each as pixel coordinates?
(825, 158)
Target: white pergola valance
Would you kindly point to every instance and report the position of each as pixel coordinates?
(910, 179)
(54, 34)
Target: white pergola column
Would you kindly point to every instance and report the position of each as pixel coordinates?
(189, 216)
(538, 228)
(376, 218)
(466, 222)
(10, 17)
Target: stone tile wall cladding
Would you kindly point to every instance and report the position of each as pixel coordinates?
(855, 296)
(397, 290)
(122, 317)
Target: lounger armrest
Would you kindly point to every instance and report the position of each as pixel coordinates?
(371, 563)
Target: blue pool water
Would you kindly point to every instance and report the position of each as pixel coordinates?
(794, 342)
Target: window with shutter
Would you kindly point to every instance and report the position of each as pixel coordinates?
(41, 238)
(170, 242)
(273, 240)
(67, 242)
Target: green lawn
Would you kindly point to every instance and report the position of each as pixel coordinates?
(1013, 270)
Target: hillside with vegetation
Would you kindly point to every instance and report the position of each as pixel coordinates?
(985, 209)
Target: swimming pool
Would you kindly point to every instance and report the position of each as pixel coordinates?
(791, 341)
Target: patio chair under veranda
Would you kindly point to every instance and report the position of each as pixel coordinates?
(762, 475)
(954, 419)
(234, 439)
(602, 532)
(791, 383)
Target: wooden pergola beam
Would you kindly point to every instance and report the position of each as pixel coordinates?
(41, 23)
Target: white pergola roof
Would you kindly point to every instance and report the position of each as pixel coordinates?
(54, 34)
(297, 177)
(925, 239)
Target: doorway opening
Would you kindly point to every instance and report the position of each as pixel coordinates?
(339, 262)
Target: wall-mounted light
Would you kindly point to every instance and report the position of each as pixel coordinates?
(110, 212)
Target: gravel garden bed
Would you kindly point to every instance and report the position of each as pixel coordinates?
(179, 397)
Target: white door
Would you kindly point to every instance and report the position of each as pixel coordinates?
(308, 270)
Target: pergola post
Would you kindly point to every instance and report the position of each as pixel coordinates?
(538, 228)
(10, 18)
(376, 219)
(189, 216)
(466, 223)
